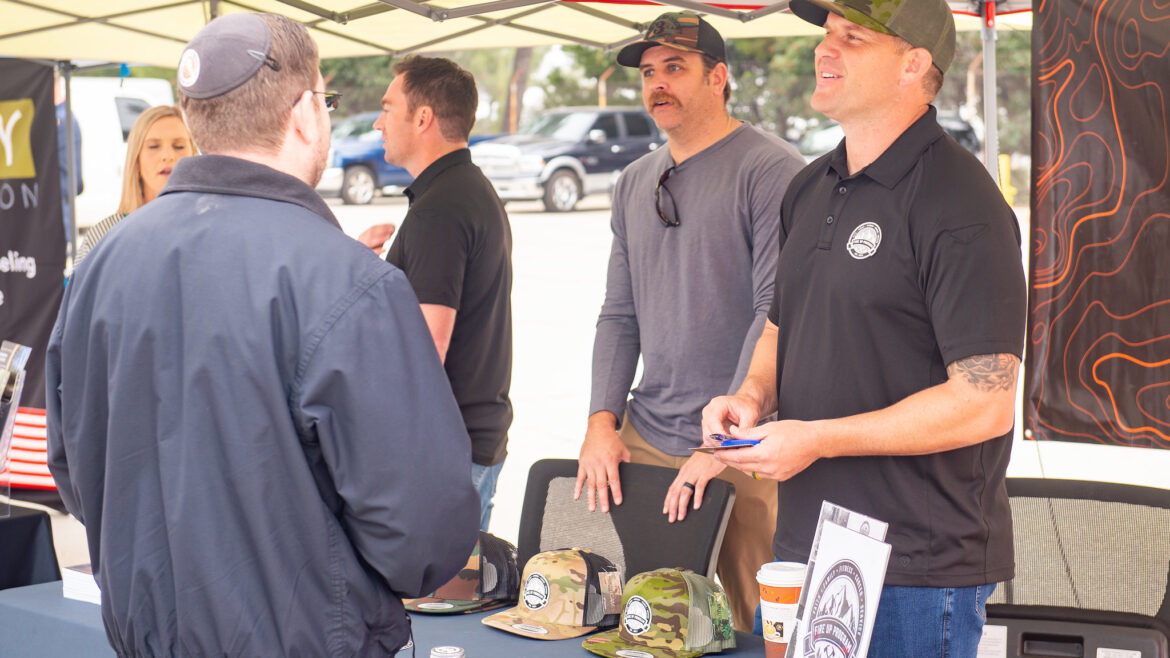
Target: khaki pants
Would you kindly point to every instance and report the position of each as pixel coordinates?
(747, 543)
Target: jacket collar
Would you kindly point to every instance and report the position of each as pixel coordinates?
(221, 174)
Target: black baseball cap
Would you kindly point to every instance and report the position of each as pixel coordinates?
(225, 54)
(683, 30)
(923, 23)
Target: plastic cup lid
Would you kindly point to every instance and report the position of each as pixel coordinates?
(782, 574)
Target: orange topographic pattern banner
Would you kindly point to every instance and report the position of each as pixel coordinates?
(1098, 353)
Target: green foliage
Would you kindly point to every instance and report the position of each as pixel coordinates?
(773, 80)
(363, 80)
(578, 83)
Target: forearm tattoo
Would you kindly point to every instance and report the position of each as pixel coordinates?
(987, 372)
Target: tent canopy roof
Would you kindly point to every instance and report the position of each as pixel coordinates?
(154, 31)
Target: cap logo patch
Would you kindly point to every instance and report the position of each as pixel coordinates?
(633, 653)
(435, 605)
(536, 592)
(864, 240)
(188, 68)
(637, 616)
(531, 628)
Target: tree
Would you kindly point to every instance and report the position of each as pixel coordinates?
(363, 80)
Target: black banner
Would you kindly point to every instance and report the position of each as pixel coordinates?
(32, 234)
(1098, 358)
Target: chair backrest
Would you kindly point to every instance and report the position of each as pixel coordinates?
(635, 535)
(1090, 552)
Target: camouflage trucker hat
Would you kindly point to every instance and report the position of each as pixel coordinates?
(668, 613)
(683, 30)
(490, 580)
(924, 23)
(565, 593)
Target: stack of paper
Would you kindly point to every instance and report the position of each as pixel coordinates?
(843, 583)
(77, 583)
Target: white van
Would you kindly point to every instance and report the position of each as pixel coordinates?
(106, 109)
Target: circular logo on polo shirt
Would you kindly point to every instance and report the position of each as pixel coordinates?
(188, 68)
(636, 617)
(864, 240)
(535, 592)
(838, 612)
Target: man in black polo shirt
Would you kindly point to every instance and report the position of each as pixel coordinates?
(455, 246)
(893, 342)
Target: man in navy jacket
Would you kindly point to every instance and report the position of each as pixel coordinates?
(245, 406)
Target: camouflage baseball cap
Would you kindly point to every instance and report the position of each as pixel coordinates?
(683, 30)
(566, 593)
(490, 580)
(924, 23)
(668, 613)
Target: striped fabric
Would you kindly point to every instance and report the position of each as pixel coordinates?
(27, 465)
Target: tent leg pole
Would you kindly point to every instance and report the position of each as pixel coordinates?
(990, 100)
(70, 162)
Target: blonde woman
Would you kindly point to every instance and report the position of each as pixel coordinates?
(157, 141)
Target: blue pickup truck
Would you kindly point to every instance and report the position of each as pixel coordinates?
(357, 168)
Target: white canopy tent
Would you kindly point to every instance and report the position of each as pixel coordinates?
(153, 32)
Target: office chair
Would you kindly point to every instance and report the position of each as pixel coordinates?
(635, 535)
(1092, 571)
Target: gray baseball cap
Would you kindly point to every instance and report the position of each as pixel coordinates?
(923, 23)
(224, 55)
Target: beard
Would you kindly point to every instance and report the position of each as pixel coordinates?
(319, 161)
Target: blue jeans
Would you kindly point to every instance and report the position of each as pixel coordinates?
(944, 622)
(484, 479)
(902, 632)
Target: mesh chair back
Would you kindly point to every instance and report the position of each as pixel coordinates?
(635, 535)
(1091, 552)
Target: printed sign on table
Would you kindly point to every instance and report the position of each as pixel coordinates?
(846, 570)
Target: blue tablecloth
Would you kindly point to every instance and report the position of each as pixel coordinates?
(38, 622)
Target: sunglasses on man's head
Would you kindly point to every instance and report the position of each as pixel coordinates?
(667, 213)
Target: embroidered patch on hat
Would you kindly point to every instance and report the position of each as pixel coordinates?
(637, 616)
(189, 68)
(864, 240)
(535, 592)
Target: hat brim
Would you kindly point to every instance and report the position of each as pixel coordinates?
(817, 12)
(434, 606)
(611, 642)
(513, 622)
(631, 55)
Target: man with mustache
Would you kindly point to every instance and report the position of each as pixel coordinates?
(894, 338)
(690, 277)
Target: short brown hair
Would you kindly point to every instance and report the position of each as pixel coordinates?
(445, 87)
(255, 114)
(709, 63)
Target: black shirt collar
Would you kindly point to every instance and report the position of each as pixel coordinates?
(428, 175)
(221, 174)
(900, 157)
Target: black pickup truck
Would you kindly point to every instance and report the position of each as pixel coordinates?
(564, 154)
